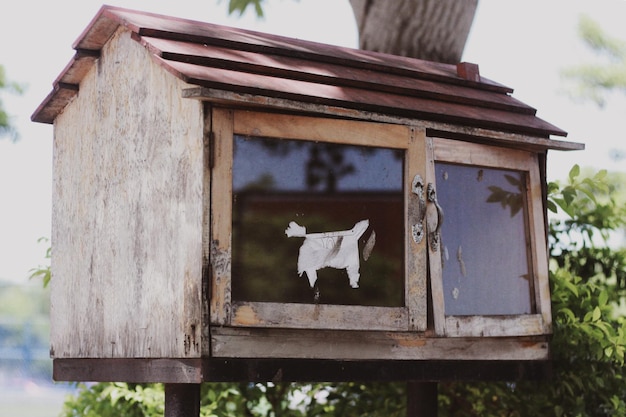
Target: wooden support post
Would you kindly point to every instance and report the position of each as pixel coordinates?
(182, 400)
(421, 399)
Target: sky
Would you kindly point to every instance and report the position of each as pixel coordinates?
(523, 44)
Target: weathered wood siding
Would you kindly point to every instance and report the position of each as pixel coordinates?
(127, 213)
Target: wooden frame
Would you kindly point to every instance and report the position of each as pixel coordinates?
(224, 311)
(537, 323)
(421, 153)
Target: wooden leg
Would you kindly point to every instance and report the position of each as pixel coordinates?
(182, 400)
(421, 399)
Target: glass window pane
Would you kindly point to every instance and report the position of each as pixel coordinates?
(484, 240)
(336, 201)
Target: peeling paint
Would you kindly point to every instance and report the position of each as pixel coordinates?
(455, 293)
(410, 342)
(246, 316)
(459, 257)
(220, 294)
(220, 259)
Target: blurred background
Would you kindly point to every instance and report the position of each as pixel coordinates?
(523, 44)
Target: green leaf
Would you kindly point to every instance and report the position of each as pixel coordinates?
(568, 193)
(558, 410)
(258, 8)
(553, 187)
(596, 314)
(241, 6)
(574, 172)
(570, 286)
(564, 206)
(603, 298)
(552, 206)
(589, 193)
(600, 175)
(568, 313)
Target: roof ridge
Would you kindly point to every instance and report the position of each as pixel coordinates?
(189, 30)
(238, 61)
(332, 73)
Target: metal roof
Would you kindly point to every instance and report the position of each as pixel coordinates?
(241, 61)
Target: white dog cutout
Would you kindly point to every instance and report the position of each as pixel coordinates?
(338, 250)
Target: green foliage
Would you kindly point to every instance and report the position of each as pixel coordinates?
(589, 341)
(594, 81)
(23, 315)
(6, 127)
(368, 400)
(233, 400)
(595, 209)
(43, 272)
(24, 327)
(115, 399)
(588, 356)
(241, 6)
(23, 302)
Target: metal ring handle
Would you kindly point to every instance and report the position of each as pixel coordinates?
(435, 234)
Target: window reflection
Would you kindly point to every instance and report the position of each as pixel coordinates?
(322, 188)
(485, 240)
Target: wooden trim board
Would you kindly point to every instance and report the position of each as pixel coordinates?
(194, 371)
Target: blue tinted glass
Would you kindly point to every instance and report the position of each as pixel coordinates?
(484, 240)
(335, 202)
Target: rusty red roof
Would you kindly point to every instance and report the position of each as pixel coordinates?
(241, 61)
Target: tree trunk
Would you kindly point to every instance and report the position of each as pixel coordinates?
(434, 30)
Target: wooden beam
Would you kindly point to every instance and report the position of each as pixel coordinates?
(182, 400)
(195, 371)
(421, 399)
(174, 371)
(363, 345)
(434, 128)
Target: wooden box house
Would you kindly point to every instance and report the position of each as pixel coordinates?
(232, 205)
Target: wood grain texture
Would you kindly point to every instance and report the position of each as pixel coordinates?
(342, 345)
(319, 316)
(187, 371)
(483, 134)
(497, 326)
(137, 370)
(326, 73)
(435, 264)
(416, 269)
(221, 215)
(459, 152)
(539, 247)
(127, 213)
(349, 132)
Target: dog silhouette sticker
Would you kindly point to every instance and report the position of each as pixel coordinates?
(338, 250)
